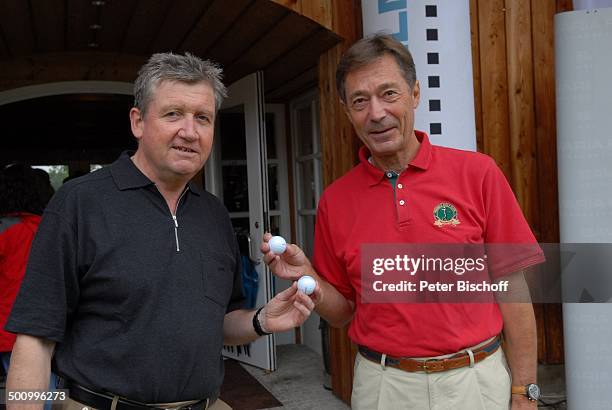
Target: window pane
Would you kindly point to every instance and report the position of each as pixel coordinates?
(275, 225)
(241, 230)
(308, 225)
(273, 187)
(307, 194)
(232, 130)
(304, 130)
(270, 136)
(235, 188)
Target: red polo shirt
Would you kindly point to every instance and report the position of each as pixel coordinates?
(361, 208)
(16, 234)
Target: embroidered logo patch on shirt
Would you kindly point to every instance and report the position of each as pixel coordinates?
(445, 214)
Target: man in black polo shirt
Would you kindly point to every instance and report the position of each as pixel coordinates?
(133, 283)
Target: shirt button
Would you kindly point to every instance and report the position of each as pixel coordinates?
(400, 186)
(402, 202)
(389, 175)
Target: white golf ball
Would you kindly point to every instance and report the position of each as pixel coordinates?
(277, 244)
(307, 284)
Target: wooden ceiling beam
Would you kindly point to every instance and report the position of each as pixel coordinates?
(217, 19)
(287, 34)
(251, 35)
(294, 86)
(150, 48)
(189, 32)
(126, 29)
(4, 50)
(80, 16)
(48, 23)
(251, 27)
(230, 28)
(33, 31)
(148, 16)
(13, 20)
(302, 55)
(115, 20)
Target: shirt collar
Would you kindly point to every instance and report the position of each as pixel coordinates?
(423, 156)
(421, 160)
(127, 176)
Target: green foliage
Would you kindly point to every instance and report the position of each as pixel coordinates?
(57, 173)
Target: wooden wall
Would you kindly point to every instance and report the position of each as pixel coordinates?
(339, 146)
(514, 84)
(514, 88)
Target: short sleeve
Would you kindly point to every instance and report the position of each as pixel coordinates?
(49, 292)
(511, 245)
(326, 259)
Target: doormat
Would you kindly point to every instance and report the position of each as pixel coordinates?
(242, 391)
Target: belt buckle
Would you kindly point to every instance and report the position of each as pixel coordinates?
(431, 368)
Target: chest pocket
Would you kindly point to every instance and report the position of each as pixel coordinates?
(218, 276)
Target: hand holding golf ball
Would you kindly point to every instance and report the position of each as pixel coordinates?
(286, 261)
(278, 245)
(307, 284)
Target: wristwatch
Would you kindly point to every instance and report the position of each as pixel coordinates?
(531, 390)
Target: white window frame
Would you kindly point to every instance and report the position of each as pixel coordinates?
(311, 335)
(311, 99)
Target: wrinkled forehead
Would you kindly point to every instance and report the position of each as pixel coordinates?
(380, 71)
(184, 88)
(156, 85)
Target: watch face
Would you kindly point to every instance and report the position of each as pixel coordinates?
(533, 391)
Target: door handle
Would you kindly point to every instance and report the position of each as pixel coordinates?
(253, 256)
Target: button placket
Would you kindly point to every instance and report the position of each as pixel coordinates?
(402, 201)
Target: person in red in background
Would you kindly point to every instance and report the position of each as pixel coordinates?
(22, 200)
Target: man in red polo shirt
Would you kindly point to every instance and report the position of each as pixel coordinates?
(405, 190)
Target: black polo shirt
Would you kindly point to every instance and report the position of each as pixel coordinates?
(136, 307)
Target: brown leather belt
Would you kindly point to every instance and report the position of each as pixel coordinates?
(433, 365)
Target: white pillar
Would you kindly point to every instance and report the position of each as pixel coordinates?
(583, 50)
(591, 4)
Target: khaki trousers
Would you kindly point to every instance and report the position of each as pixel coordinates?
(486, 386)
(75, 405)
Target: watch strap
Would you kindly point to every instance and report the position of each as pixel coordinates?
(257, 325)
(531, 391)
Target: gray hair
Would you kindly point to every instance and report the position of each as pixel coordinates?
(368, 49)
(174, 67)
